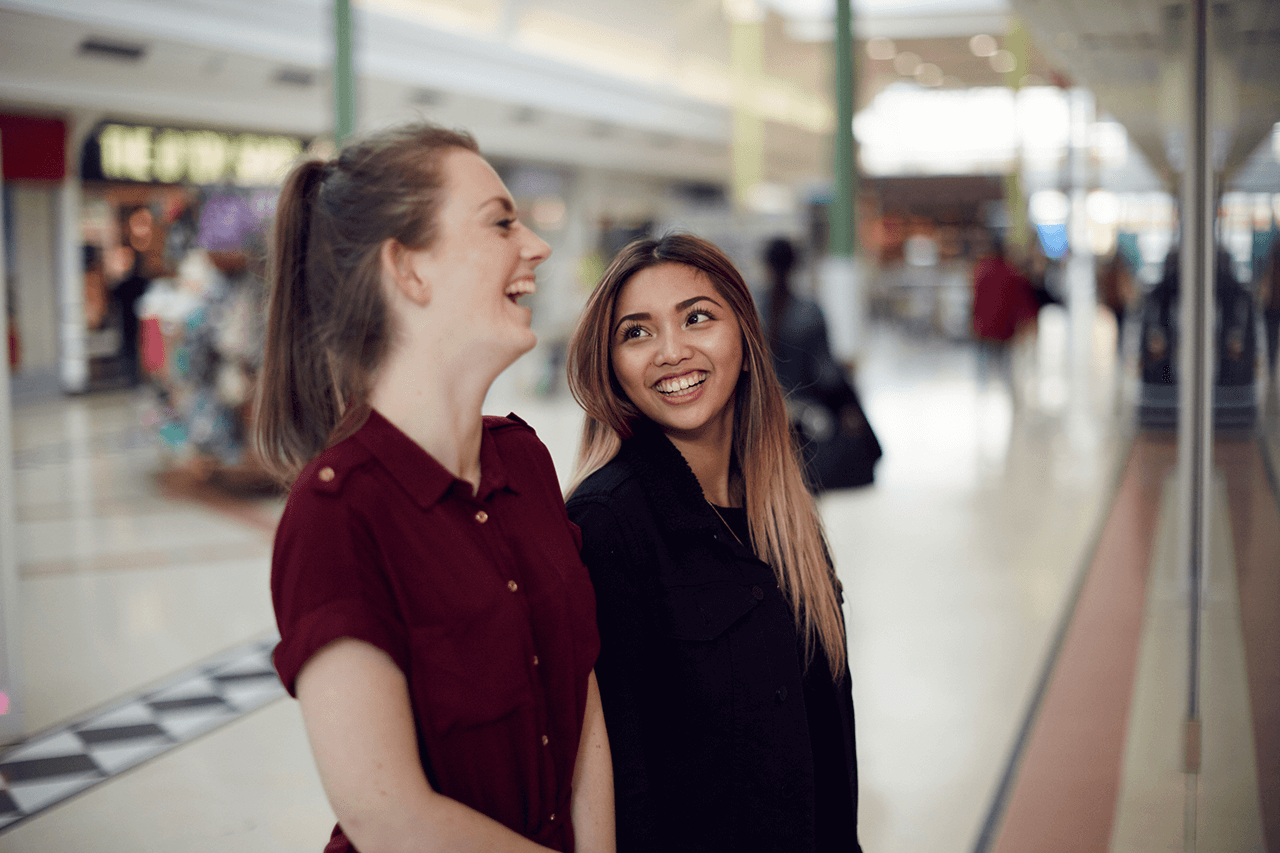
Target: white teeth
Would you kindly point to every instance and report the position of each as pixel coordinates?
(521, 287)
(674, 386)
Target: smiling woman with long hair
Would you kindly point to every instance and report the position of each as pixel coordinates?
(723, 669)
(436, 623)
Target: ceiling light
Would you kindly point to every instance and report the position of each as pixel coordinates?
(1003, 61)
(906, 63)
(983, 45)
(103, 48)
(300, 77)
(928, 74)
(881, 48)
(426, 97)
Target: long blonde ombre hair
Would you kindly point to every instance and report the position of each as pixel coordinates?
(783, 520)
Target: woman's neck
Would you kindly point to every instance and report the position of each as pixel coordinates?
(440, 409)
(710, 455)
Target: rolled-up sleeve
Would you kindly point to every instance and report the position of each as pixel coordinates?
(326, 585)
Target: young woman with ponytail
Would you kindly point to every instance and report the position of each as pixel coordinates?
(437, 626)
(722, 667)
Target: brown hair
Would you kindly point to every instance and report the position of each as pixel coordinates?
(328, 326)
(783, 520)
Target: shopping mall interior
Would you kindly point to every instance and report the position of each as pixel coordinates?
(1061, 588)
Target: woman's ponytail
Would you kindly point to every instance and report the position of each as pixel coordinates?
(291, 422)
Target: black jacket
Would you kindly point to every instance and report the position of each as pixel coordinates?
(700, 672)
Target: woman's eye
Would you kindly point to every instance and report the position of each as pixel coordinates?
(698, 316)
(506, 224)
(632, 332)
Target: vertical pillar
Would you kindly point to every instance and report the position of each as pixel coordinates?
(344, 88)
(746, 51)
(72, 329)
(1195, 356)
(1018, 43)
(11, 725)
(842, 240)
(841, 284)
(1080, 266)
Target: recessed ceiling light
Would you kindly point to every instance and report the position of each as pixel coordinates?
(104, 48)
(295, 77)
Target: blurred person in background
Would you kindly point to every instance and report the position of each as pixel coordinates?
(722, 667)
(1004, 306)
(1116, 290)
(839, 447)
(138, 234)
(437, 625)
(1269, 304)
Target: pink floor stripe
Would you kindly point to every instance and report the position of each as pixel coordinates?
(1063, 800)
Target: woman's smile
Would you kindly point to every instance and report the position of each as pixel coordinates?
(681, 387)
(519, 288)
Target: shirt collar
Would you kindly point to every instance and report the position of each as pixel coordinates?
(418, 472)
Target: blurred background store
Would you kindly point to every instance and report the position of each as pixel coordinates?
(1062, 588)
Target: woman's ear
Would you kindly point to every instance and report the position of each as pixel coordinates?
(400, 268)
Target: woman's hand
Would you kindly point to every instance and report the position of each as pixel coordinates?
(359, 720)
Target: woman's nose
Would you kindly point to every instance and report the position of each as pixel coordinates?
(672, 348)
(535, 248)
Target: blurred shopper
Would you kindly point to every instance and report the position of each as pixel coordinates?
(1116, 290)
(839, 447)
(437, 625)
(1269, 303)
(129, 290)
(722, 666)
(1003, 306)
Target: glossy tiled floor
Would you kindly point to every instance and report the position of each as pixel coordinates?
(956, 566)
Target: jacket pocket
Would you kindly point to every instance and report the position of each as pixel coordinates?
(703, 613)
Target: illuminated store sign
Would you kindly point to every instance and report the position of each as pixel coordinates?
(205, 157)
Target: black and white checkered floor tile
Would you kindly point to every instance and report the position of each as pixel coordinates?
(60, 763)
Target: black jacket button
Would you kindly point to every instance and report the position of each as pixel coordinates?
(757, 592)
(781, 693)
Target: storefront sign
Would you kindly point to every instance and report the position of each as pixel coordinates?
(204, 157)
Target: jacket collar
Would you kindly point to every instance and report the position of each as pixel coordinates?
(664, 474)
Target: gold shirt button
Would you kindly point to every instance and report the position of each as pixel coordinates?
(326, 474)
(482, 516)
(512, 585)
(553, 816)
(545, 740)
(535, 660)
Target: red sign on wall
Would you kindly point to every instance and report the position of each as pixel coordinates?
(34, 148)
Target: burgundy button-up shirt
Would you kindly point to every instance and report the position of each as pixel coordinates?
(480, 599)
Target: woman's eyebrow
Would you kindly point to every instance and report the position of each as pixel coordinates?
(500, 200)
(642, 315)
(695, 300)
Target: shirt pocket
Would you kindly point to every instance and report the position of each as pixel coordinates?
(703, 613)
(469, 676)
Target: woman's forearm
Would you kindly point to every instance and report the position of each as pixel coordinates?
(592, 807)
(356, 708)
